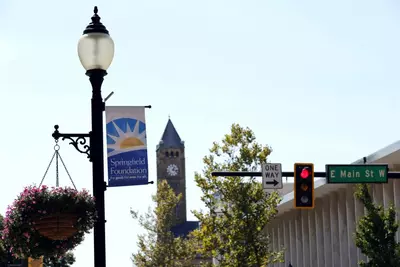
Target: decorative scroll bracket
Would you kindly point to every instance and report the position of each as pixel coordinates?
(79, 141)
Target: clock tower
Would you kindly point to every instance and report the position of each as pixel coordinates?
(171, 166)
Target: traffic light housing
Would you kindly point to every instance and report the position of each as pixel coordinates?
(304, 185)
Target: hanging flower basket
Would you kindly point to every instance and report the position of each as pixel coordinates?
(46, 221)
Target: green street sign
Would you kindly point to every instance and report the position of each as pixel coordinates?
(357, 173)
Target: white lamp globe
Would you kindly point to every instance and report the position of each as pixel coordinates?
(96, 47)
(96, 51)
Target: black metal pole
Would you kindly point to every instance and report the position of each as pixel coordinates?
(95, 150)
(96, 78)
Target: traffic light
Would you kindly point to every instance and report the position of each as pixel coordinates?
(304, 185)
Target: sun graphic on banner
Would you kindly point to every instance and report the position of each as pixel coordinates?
(125, 135)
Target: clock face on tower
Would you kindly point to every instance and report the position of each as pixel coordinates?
(172, 170)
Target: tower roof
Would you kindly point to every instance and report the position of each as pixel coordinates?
(170, 138)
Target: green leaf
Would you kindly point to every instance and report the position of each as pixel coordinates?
(376, 232)
(158, 246)
(238, 233)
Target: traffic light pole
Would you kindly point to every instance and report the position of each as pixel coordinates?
(391, 175)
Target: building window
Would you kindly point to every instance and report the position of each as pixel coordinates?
(167, 154)
(176, 154)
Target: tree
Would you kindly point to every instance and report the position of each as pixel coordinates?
(3, 250)
(237, 235)
(158, 247)
(376, 232)
(65, 261)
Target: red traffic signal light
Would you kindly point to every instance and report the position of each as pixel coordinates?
(304, 173)
(304, 185)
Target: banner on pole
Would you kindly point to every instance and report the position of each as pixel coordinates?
(126, 146)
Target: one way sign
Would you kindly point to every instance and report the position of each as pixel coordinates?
(272, 175)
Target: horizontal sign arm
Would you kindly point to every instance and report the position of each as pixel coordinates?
(392, 175)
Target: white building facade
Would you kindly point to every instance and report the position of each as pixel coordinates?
(324, 236)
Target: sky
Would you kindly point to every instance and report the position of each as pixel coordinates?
(318, 81)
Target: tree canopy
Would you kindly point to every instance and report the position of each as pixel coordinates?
(376, 232)
(233, 229)
(158, 247)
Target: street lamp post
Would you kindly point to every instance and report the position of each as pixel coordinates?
(96, 52)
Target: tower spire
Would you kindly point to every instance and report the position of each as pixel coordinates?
(170, 137)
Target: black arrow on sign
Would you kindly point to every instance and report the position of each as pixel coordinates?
(275, 182)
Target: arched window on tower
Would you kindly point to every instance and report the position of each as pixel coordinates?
(167, 154)
(176, 154)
